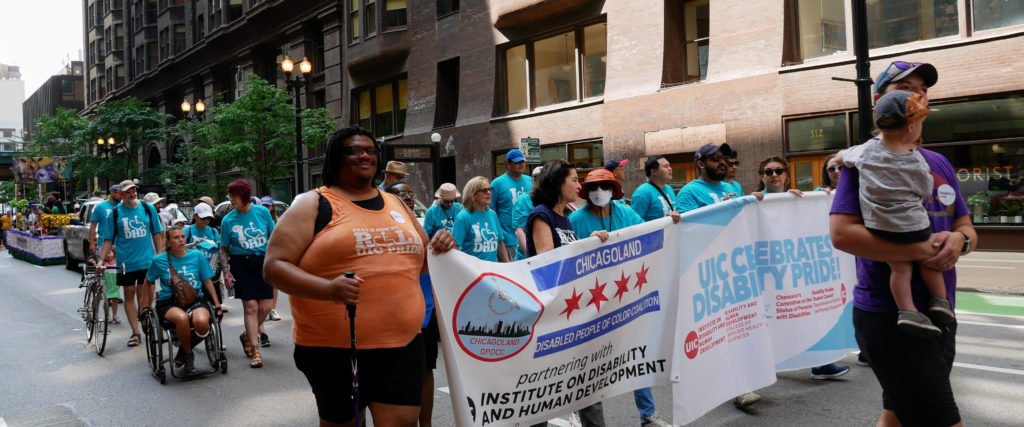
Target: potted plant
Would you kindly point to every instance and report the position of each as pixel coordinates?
(979, 203)
(1016, 211)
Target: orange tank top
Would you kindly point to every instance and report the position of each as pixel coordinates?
(384, 249)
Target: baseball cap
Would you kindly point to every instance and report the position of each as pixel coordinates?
(203, 210)
(114, 188)
(514, 156)
(536, 171)
(208, 200)
(127, 185)
(613, 164)
(709, 149)
(899, 70)
(178, 221)
(153, 198)
(898, 108)
(266, 201)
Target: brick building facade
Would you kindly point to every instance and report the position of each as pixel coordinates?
(600, 79)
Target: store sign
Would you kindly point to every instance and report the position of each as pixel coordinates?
(984, 174)
(414, 153)
(530, 148)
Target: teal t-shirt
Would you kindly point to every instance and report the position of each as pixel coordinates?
(193, 233)
(699, 193)
(438, 218)
(247, 233)
(133, 235)
(521, 211)
(738, 189)
(192, 267)
(477, 234)
(100, 212)
(650, 203)
(584, 222)
(504, 193)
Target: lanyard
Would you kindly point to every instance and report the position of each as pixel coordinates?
(663, 196)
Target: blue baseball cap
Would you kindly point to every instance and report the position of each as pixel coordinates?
(709, 149)
(266, 201)
(899, 70)
(515, 156)
(114, 188)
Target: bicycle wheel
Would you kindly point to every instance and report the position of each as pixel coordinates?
(86, 299)
(90, 313)
(102, 316)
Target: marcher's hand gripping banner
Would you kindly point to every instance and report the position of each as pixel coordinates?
(538, 338)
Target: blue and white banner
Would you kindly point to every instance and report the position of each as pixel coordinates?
(714, 304)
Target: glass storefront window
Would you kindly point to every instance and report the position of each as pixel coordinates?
(991, 178)
(815, 28)
(892, 22)
(997, 14)
(816, 133)
(555, 69)
(976, 120)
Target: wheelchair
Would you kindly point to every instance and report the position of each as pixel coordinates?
(161, 340)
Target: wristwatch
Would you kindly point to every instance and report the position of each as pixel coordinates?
(967, 244)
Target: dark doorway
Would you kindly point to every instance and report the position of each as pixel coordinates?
(448, 171)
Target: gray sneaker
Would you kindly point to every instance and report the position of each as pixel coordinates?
(653, 421)
(941, 310)
(917, 324)
(273, 315)
(746, 399)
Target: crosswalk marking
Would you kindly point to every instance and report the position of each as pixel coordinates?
(988, 368)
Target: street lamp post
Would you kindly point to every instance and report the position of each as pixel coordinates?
(297, 83)
(106, 145)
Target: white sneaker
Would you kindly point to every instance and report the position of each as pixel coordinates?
(273, 315)
(574, 419)
(654, 421)
(746, 399)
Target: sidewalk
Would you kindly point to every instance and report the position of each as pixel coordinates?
(991, 272)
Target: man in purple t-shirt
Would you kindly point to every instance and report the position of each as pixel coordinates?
(913, 372)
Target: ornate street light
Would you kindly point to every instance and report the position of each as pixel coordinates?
(105, 146)
(297, 83)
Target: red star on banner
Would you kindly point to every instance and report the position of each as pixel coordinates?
(622, 286)
(597, 294)
(571, 304)
(641, 277)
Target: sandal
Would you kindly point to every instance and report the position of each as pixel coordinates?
(134, 341)
(245, 346)
(257, 359)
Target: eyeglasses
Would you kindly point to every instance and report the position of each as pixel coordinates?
(355, 151)
(734, 164)
(833, 169)
(484, 190)
(771, 172)
(407, 194)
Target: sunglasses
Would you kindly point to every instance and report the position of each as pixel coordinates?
(771, 172)
(903, 65)
(602, 185)
(734, 164)
(713, 157)
(355, 151)
(832, 169)
(484, 190)
(447, 200)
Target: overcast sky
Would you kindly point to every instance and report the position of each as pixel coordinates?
(39, 36)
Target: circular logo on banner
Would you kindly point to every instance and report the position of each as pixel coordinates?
(495, 317)
(946, 194)
(690, 346)
(397, 217)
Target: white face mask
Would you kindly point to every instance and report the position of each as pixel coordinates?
(600, 197)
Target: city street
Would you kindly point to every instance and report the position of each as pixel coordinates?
(49, 376)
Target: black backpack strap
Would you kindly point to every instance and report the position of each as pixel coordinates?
(324, 213)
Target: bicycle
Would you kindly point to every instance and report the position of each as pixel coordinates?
(95, 308)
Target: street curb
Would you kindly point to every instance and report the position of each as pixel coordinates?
(1001, 291)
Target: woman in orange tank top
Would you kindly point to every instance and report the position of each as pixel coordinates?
(376, 236)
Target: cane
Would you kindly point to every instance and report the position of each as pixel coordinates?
(355, 366)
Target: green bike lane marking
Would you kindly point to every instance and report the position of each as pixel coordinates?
(990, 304)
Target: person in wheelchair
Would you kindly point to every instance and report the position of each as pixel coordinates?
(192, 266)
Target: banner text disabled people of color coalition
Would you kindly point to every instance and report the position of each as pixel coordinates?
(733, 277)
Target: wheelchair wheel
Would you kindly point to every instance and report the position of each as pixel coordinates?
(101, 313)
(161, 375)
(154, 353)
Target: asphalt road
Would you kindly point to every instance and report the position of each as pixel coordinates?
(48, 376)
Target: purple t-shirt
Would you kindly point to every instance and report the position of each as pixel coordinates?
(945, 205)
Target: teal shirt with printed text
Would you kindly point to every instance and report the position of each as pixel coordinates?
(133, 235)
(504, 192)
(521, 211)
(100, 213)
(699, 193)
(192, 267)
(584, 222)
(193, 233)
(650, 203)
(477, 233)
(247, 233)
(438, 218)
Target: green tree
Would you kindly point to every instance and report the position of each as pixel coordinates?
(188, 171)
(255, 133)
(132, 124)
(59, 135)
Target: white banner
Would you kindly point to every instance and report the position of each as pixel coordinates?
(532, 340)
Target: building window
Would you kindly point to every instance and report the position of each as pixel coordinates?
(140, 60)
(151, 12)
(318, 51)
(108, 39)
(892, 22)
(446, 106)
(548, 71)
(119, 77)
(813, 28)
(997, 14)
(179, 38)
(584, 156)
(200, 27)
(445, 7)
(119, 37)
(381, 108)
(353, 20)
(151, 55)
(370, 20)
(395, 14)
(687, 25)
(164, 44)
(91, 20)
(991, 180)
(365, 24)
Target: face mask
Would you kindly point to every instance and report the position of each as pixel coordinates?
(600, 197)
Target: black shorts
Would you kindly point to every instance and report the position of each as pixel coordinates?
(249, 284)
(431, 337)
(164, 305)
(392, 376)
(131, 278)
(921, 235)
(913, 372)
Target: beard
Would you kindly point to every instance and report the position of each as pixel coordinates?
(713, 173)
